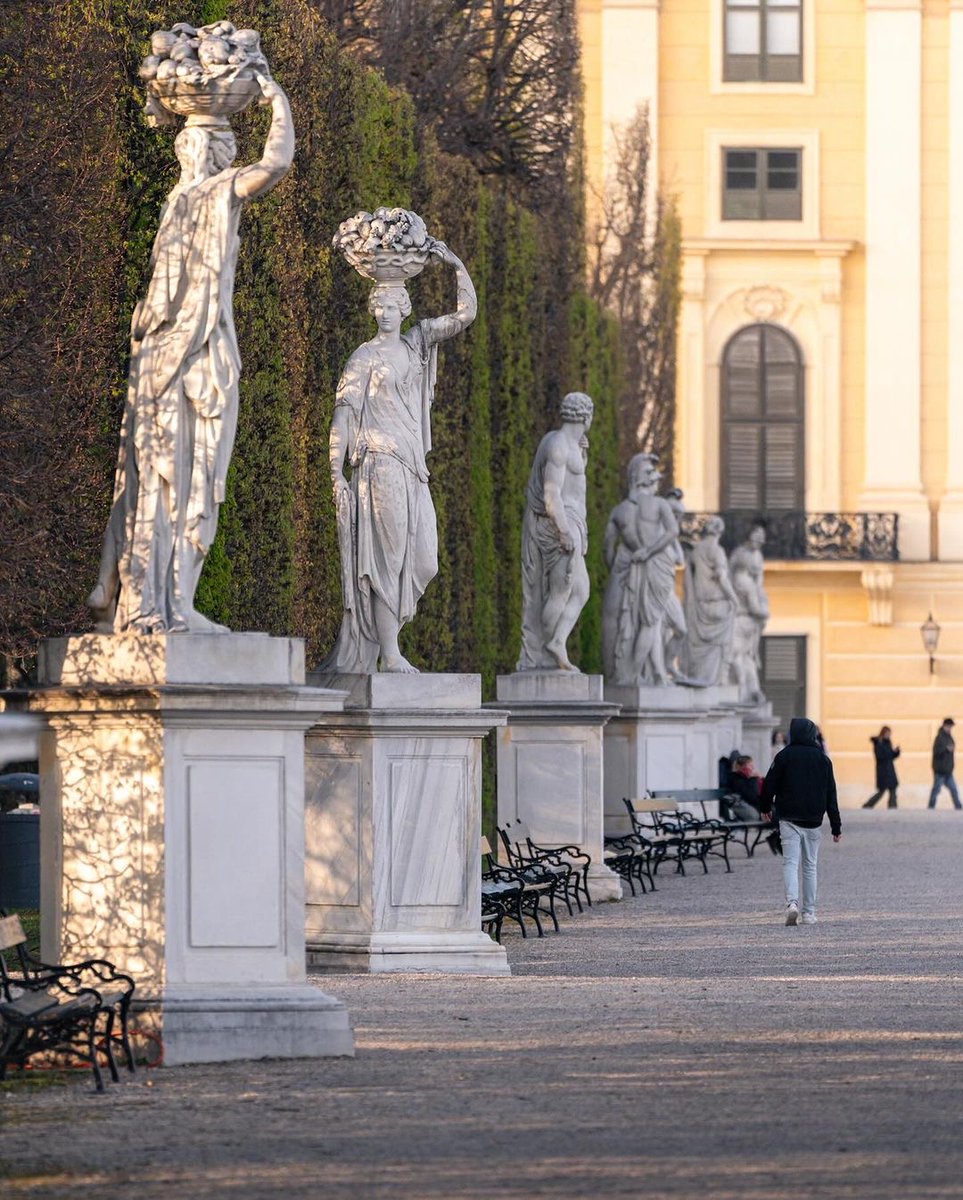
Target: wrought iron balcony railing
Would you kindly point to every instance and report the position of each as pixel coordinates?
(871, 537)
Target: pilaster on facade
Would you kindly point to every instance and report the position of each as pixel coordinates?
(951, 505)
(693, 441)
(892, 480)
(630, 78)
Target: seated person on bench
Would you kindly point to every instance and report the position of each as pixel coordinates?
(747, 785)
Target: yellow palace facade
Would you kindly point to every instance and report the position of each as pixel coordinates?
(816, 151)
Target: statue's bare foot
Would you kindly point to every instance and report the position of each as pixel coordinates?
(399, 664)
(198, 623)
(98, 598)
(557, 651)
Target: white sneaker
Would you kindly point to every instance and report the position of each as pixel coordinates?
(792, 913)
(809, 918)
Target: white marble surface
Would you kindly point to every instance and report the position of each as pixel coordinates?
(666, 738)
(393, 832)
(548, 687)
(555, 581)
(550, 764)
(173, 844)
(254, 659)
(758, 724)
(404, 692)
(181, 411)
(380, 437)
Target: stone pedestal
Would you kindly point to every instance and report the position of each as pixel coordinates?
(393, 827)
(550, 763)
(173, 834)
(663, 738)
(758, 724)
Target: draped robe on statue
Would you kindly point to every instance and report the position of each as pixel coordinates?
(181, 413)
(386, 520)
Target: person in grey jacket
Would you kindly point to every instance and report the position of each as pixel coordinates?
(800, 791)
(944, 755)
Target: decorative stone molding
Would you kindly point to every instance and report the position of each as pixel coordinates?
(765, 303)
(877, 583)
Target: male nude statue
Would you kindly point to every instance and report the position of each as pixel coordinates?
(555, 583)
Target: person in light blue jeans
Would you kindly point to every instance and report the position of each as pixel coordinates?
(800, 789)
(800, 846)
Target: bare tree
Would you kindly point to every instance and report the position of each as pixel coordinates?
(634, 271)
(498, 79)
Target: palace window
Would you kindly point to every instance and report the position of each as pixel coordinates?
(761, 184)
(762, 422)
(763, 41)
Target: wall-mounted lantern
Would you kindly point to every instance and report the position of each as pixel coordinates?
(930, 633)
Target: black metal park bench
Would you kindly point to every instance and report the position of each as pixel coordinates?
(747, 834)
(79, 1010)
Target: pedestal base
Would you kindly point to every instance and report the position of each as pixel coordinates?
(664, 738)
(225, 1024)
(451, 953)
(173, 834)
(550, 767)
(393, 828)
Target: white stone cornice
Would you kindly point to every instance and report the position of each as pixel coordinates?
(819, 247)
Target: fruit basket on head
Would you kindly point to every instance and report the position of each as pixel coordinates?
(206, 75)
(389, 246)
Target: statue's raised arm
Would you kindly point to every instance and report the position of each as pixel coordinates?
(253, 181)
(439, 329)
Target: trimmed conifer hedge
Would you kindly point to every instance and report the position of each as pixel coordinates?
(100, 175)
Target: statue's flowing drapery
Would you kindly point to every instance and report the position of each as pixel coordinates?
(180, 417)
(386, 520)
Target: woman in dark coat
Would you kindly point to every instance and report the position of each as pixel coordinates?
(886, 781)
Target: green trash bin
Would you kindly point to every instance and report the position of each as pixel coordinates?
(19, 860)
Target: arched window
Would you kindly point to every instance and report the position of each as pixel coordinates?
(763, 467)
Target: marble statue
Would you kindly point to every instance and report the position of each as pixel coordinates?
(380, 436)
(674, 625)
(555, 582)
(746, 569)
(641, 546)
(710, 608)
(181, 413)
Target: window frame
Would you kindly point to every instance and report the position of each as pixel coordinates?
(765, 196)
(763, 57)
(719, 85)
(806, 229)
(728, 421)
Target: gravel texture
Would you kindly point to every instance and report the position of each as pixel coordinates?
(682, 1044)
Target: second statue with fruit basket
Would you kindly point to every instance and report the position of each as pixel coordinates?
(380, 436)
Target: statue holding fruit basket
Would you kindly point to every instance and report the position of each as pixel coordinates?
(180, 418)
(380, 436)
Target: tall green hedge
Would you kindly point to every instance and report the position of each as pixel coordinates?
(300, 311)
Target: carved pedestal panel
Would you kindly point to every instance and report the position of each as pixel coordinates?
(550, 764)
(172, 835)
(393, 828)
(665, 737)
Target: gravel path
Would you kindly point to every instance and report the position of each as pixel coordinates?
(682, 1044)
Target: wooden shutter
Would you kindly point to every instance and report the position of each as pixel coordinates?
(762, 422)
(784, 676)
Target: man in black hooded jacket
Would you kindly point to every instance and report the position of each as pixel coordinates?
(801, 788)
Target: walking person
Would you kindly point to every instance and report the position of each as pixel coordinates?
(800, 790)
(886, 781)
(944, 755)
